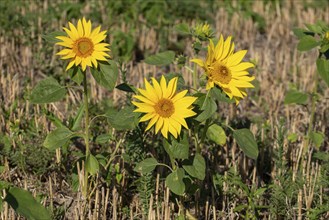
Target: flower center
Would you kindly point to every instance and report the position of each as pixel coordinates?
(220, 73)
(165, 108)
(83, 47)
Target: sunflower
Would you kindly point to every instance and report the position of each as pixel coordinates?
(224, 68)
(165, 108)
(84, 45)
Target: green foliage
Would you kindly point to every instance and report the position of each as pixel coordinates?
(58, 138)
(124, 119)
(177, 149)
(317, 138)
(92, 165)
(106, 75)
(207, 105)
(24, 204)
(294, 96)
(163, 58)
(175, 182)
(246, 142)
(323, 69)
(47, 91)
(146, 166)
(197, 168)
(217, 134)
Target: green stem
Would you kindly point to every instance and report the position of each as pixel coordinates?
(195, 77)
(204, 133)
(85, 100)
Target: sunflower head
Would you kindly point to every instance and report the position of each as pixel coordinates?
(83, 45)
(224, 68)
(327, 36)
(163, 107)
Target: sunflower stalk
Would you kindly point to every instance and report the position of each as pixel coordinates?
(86, 136)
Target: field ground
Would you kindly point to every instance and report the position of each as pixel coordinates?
(296, 184)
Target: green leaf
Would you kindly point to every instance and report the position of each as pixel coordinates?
(317, 138)
(125, 119)
(160, 59)
(24, 204)
(146, 166)
(314, 28)
(300, 33)
(103, 138)
(175, 182)
(76, 74)
(208, 105)
(106, 75)
(217, 134)
(57, 138)
(323, 69)
(294, 96)
(220, 96)
(51, 37)
(92, 165)
(260, 191)
(125, 87)
(246, 142)
(177, 149)
(307, 43)
(198, 168)
(78, 118)
(47, 91)
(292, 137)
(183, 29)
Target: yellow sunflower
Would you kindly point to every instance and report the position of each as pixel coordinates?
(224, 68)
(84, 45)
(165, 108)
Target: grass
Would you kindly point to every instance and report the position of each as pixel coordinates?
(282, 184)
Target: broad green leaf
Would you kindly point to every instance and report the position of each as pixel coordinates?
(246, 142)
(146, 166)
(183, 29)
(92, 165)
(324, 47)
(198, 167)
(125, 87)
(208, 107)
(300, 33)
(106, 75)
(57, 138)
(217, 134)
(323, 69)
(24, 204)
(177, 149)
(317, 138)
(103, 138)
(76, 74)
(78, 118)
(175, 183)
(125, 119)
(51, 37)
(47, 91)
(220, 96)
(314, 28)
(160, 59)
(307, 43)
(292, 137)
(294, 96)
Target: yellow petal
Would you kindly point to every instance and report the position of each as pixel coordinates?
(172, 85)
(94, 61)
(147, 117)
(236, 58)
(236, 91)
(142, 107)
(99, 37)
(86, 27)
(157, 88)
(83, 64)
(159, 125)
(70, 33)
(226, 48)
(95, 32)
(179, 119)
(144, 99)
(64, 52)
(80, 28)
(151, 93)
(101, 47)
(199, 62)
(219, 48)
(241, 84)
(165, 128)
(179, 96)
(78, 60)
(152, 122)
(163, 84)
(74, 31)
(70, 65)
(242, 66)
